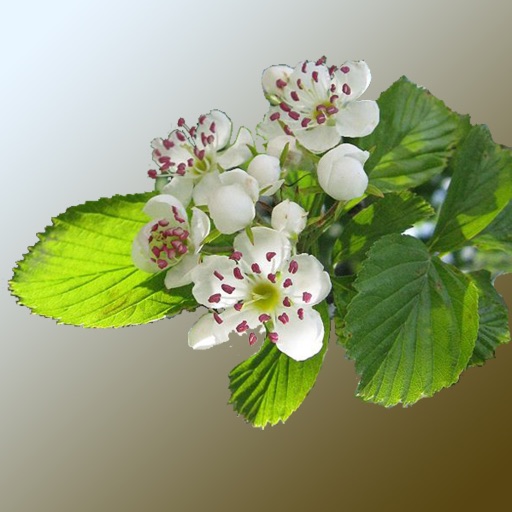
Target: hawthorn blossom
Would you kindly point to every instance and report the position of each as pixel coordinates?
(169, 241)
(341, 174)
(187, 155)
(318, 104)
(261, 287)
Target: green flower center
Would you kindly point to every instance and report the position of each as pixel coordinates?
(265, 296)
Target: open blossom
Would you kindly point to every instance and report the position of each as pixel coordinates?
(341, 174)
(169, 241)
(261, 287)
(318, 104)
(187, 155)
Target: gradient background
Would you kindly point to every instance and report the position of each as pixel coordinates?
(132, 419)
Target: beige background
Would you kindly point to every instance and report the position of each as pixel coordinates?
(131, 419)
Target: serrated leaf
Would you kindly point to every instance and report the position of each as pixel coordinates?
(80, 272)
(497, 236)
(481, 187)
(392, 214)
(413, 139)
(413, 324)
(343, 292)
(493, 329)
(269, 386)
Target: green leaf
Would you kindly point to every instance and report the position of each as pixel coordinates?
(493, 329)
(269, 386)
(343, 292)
(413, 139)
(497, 236)
(299, 186)
(481, 187)
(412, 325)
(392, 214)
(80, 272)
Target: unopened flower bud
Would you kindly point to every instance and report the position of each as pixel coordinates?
(265, 169)
(341, 174)
(289, 217)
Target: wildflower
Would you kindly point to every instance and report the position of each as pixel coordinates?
(187, 155)
(261, 288)
(169, 241)
(318, 104)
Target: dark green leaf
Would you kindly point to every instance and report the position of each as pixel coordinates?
(413, 324)
(269, 386)
(497, 236)
(481, 187)
(493, 329)
(392, 214)
(343, 292)
(80, 272)
(413, 139)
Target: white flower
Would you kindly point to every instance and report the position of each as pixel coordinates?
(266, 170)
(189, 154)
(169, 241)
(341, 174)
(289, 217)
(261, 287)
(317, 104)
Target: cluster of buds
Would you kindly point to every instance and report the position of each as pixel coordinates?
(256, 284)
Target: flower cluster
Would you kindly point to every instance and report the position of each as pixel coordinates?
(230, 221)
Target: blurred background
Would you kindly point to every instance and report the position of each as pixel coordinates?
(134, 420)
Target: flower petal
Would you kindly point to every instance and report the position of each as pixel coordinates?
(204, 188)
(199, 227)
(181, 274)
(265, 169)
(239, 152)
(340, 172)
(266, 241)
(140, 250)
(319, 138)
(228, 321)
(270, 79)
(268, 129)
(357, 118)
(181, 188)
(165, 206)
(244, 179)
(356, 74)
(289, 217)
(301, 339)
(222, 129)
(215, 285)
(231, 208)
(310, 279)
(201, 336)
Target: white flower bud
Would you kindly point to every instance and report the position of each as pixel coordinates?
(289, 217)
(341, 174)
(231, 208)
(265, 169)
